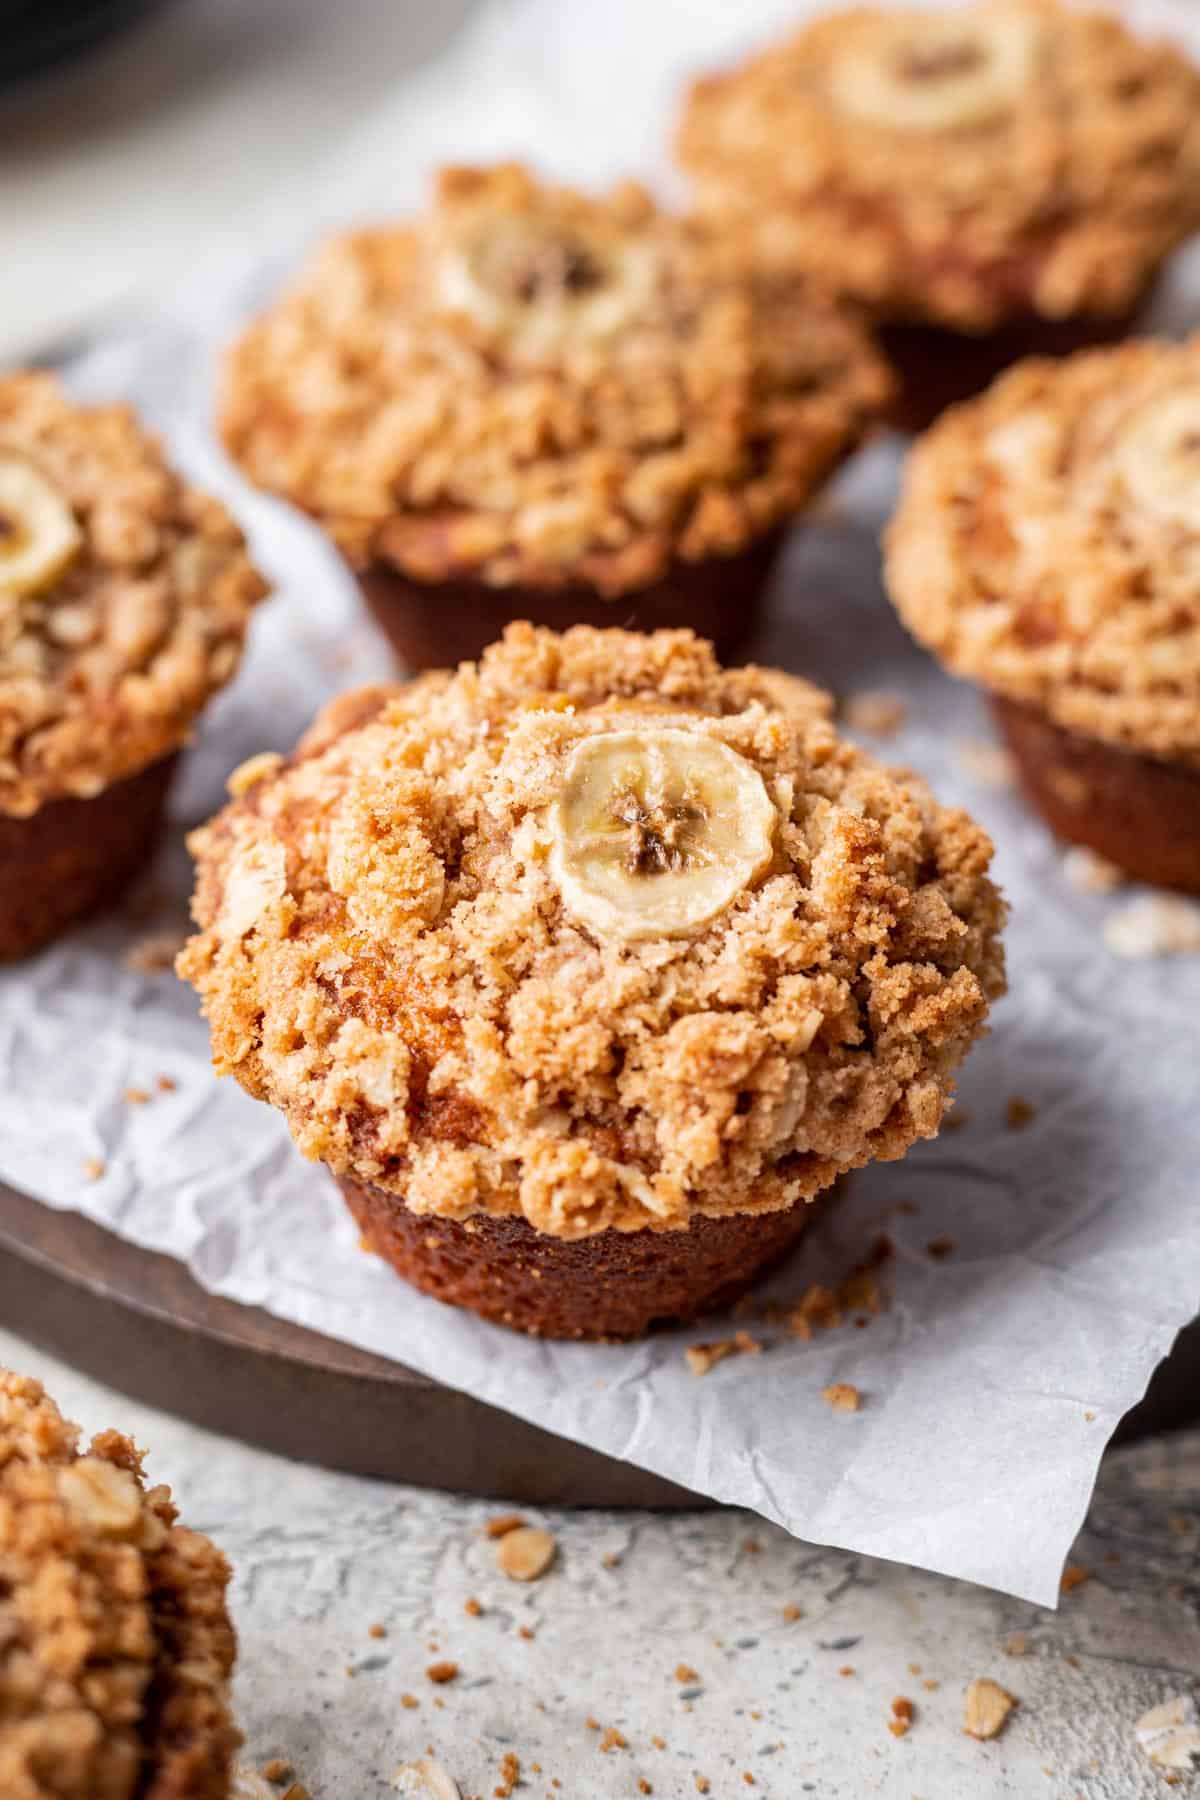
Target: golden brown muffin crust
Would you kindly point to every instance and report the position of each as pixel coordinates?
(105, 670)
(1047, 544)
(537, 386)
(1059, 198)
(115, 1646)
(385, 953)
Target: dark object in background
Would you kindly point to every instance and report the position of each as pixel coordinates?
(36, 35)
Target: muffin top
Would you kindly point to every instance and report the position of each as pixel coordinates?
(1047, 544)
(535, 386)
(593, 932)
(115, 1646)
(963, 167)
(124, 596)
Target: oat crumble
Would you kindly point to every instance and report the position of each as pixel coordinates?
(115, 1645)
(1059, 200)
(1030, 553)
(384, 954)
(104, 671)
(534, 386)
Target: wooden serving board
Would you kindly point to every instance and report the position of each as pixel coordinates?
(139, 1322)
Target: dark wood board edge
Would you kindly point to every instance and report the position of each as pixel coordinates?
(139, 1322)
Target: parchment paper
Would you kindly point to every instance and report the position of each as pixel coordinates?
(993, 1381)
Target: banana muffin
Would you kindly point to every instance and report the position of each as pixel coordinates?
(991, 183)
(116, 1649)
(586, 968)
(124, 599)
(536, 403)
(1047, 546)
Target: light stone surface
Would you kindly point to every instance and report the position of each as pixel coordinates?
(633, 1596)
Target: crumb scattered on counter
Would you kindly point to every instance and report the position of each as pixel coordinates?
(94, 1168)
(684, 1672)
(842, 1396)
(986, 1706)
(472, 1607)
(525, 1553)
(940, 1248)
(510, 1776)
(377, 1631)
(441, 1672)
(1089, 873)
(1169, 1734)
(136, 1096)
(278, 1769)
(613, 1740)
(1016, 1645)
(1155, 925)
(1019, 1113)
(502, 1523)
(1073, 1576)
(791, 1612)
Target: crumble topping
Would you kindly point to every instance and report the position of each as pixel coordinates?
(1018, 156)
(385, 955)
(104, 666)
(115, 1645)
(1047, 544)
(531, 385)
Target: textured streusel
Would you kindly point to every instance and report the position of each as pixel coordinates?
(1060, 200)
(534, 386)
(115, 1645)
(385, 955)
(105, 670)
(1048, 548)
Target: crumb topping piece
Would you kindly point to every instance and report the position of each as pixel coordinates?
(115, 1645)
(532, 385)
(1017, 156)
(986, 1707)
(124, 596)
(385, 954)
(1047, 543)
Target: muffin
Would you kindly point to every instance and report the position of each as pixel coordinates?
(587, 968)
(538, 404)
(990, 183)
(124, 598)
(1047, 546)
(116, 1649)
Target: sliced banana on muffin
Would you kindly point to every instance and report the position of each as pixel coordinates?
(656, 832)
(925, 72)
(39, 533)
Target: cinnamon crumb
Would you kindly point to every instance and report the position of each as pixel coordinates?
(94, 1168)
(409, 1702)
(903, 1708)
(659, 1743)
(502, 1523)
(847, 1669)
(940, 1248)
(792, 1612)
(166, 1084)
(277, 1770)
(1019, 1113)
(136, 1096)
(472, 1607)
(377, 1631)
(986, 1706)
(752, 1547)
(930, 1685)
(701, 1784)
(842, 1396)
(644, 1786)
(1016, 1645)
(527, 1632)
(442, 1672)
(510, 1776)
(592, 1724)
(613, 1740)
(1073, 1576)
(685, 1673)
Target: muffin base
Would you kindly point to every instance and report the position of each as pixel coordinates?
(74, 855)
(437, 624)
(1136, 811)
(937, 367)
(617, 1284)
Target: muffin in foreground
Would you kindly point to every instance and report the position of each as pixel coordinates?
(536, 403)
(993, 182)
(1047, 546)
(116, 1649)
(124, 600)
(587, 968)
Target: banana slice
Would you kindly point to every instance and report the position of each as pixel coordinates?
(39, 535)
(1158, 456)
(540, 286)
(656, 832)
(929, 72)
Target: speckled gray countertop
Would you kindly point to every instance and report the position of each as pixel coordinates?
(671, 1627)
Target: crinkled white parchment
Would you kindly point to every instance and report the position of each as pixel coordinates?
(992, 1383)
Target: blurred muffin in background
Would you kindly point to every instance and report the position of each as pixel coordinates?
(116, 1649)
(536, 403)
(124, 600)
(1047, 546)
(587, 969)
(991, 182)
